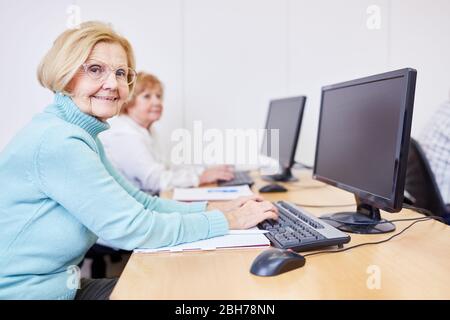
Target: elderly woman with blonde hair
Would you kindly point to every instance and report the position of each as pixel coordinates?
(66, 194)
(134, 147)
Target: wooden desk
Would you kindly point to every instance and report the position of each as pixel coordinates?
(415, 265)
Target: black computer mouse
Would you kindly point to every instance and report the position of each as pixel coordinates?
(273, 187)
(273, 262)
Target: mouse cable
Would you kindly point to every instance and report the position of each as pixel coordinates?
(417, 220)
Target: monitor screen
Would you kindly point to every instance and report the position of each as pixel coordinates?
(286, 116)
(361, 132)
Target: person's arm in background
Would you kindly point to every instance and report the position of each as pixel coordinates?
(130, 152)
(184, 175)
(177, 177)
(189, 176)
(171, 176)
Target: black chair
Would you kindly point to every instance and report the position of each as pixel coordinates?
(98, 253)
(421, 185)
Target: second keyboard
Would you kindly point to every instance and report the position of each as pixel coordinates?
(240, 178)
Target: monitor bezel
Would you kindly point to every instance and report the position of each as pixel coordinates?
(395, 201)
(302, 101)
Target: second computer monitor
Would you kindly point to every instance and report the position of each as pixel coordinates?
(282, 130)
(362, 145)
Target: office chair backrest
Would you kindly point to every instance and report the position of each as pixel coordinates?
(420, 182)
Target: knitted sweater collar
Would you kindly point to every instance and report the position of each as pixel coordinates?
(64, 107)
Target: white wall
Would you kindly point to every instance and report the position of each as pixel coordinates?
(223, 60)
(420, 37)
(330, 42)
(27, 30)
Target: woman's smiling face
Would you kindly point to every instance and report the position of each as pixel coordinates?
(100, 88)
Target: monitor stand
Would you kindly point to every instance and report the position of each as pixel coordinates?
(284, 176)
(366, 220)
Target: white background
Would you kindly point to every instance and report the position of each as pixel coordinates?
(222, 60)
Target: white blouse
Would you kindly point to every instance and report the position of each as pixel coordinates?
(137, 154)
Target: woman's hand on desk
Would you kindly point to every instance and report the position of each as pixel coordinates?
(250, 214)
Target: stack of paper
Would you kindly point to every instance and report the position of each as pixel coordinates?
(211, 194)
(234, 240)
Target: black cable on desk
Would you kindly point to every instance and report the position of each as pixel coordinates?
(416, 220)
(381, 241)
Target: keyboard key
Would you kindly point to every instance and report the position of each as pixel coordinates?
(289, 242)
(308, 239)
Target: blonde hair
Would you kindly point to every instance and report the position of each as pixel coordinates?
(72, 48)
(144, 81)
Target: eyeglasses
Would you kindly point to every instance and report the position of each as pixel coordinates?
(100, 71)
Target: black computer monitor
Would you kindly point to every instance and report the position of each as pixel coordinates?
(362, 146)
(285, 115)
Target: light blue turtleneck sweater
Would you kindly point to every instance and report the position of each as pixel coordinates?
(59, 193)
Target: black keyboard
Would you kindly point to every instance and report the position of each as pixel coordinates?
(299, 230)
(240, 178)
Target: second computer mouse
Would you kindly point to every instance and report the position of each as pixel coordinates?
(273, 187)
(273, 262)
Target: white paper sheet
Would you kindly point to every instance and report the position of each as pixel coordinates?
(242, 239)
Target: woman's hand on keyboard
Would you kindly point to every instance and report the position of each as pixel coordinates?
(234, 204)
(250, 214)
(213, 174)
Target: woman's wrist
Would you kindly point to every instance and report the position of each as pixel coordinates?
(229, 216)
(230, 219)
